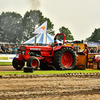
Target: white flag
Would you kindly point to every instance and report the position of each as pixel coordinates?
(41, 29)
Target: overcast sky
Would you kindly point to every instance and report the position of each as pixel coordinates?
(81, 17)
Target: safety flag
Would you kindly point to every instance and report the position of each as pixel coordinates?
(41, 29)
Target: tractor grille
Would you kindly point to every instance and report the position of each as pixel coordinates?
(23, 52)
(35, 53)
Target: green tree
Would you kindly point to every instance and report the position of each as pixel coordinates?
(95, 36)
(11, 27)
(67, 32)
(14, 28)
(32, 20)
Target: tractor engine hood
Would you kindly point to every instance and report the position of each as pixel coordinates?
(41, 48)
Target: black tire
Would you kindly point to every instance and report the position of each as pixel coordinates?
(28, 69)
(18, 65)
(64, 59)
(98, 65)
(45, 66)
(33, 62)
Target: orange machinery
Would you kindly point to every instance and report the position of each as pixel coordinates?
(88, 61)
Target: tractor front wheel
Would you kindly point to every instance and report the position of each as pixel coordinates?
(33, 62)
(18, 65)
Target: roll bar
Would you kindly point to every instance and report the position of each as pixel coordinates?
(61, 34)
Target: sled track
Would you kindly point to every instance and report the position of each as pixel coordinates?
(52, 87)
(69, 86)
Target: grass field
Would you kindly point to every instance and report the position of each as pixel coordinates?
(49, 72)
(5, 63)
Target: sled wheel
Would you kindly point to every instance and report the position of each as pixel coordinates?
(64, 59)
(98, 65)
(33, 62)
(18, 65)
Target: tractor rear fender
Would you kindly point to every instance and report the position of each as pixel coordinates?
(59, 47)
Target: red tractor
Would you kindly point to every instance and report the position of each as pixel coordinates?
(44, 57)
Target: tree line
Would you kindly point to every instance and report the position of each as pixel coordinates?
(17, 29)
(95, 36)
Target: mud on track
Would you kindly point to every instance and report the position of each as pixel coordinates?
(55, 87)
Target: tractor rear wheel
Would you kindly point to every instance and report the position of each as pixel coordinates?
(64, 59)
(33, 62)
(18, 65)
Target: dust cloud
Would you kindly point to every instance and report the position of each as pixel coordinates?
(34, 4)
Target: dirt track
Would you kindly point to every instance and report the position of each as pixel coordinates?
(46, 88)
(7, 68)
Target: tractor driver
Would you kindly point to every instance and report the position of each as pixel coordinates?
(55, 42)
